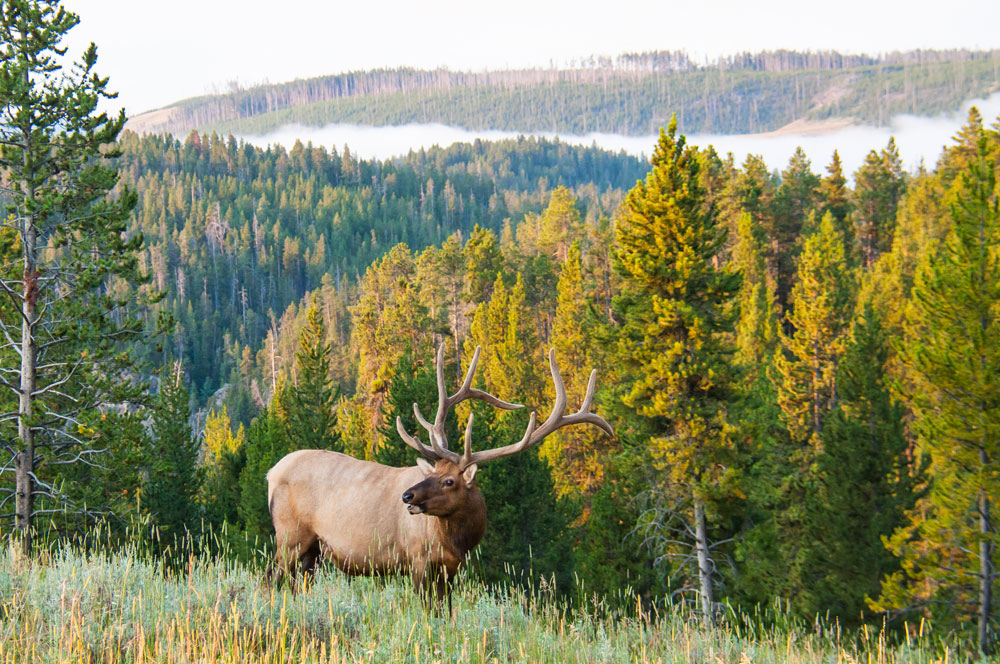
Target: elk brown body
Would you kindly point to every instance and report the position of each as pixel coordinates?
(356, 511)
(367, 518)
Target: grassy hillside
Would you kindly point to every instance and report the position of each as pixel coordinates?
(634, 95)
(78, 607)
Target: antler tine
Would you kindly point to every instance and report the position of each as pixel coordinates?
(467, 383)
(559, 407)
(591, 385)
(593, 418)
(467, 457)
(420, 419)
(492, 400)
(499, 452)
(442, 390)
(414, 442)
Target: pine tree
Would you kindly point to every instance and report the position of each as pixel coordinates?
(867, 477)
(835, 198)
(950, 360)
(483, 261)
(388, 319)
(575, 454)
(821, 302)
(71, 245)
(527, 522)
(806, 374)
(798, 196)
(879, 185)
(674, 310)
(558, 224)
(757, 328)
(752, 190)
(174, 479)
(267, 441)
(218, 437)
(441, 273)
(311, 410)
(413, 382)
(225, 456)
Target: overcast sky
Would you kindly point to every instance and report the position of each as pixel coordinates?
(160, 52)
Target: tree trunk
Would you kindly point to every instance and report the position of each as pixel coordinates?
(985, 568)
(704, 563)
(24, 467)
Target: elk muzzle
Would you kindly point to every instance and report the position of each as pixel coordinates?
(409, 497)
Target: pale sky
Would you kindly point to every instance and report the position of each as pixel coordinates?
(160, 52)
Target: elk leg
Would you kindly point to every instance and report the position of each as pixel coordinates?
(435, 587)
(309, 559)
(423, 583)
(291, 549)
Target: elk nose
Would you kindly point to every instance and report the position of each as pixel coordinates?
(407, 497)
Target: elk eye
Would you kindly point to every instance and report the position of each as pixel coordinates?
(449, 482)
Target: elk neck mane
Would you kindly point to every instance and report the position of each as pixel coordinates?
(464, 528)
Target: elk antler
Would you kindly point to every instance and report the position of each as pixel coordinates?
(532, 436)
(439, 442)
(555, 420)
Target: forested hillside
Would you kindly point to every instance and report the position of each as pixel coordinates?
(235, 234)
(802, 374)
(634, 94)
(775, 350)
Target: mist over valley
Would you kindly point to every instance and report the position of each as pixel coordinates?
(919, 139)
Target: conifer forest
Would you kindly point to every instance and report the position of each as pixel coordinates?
(801, 365)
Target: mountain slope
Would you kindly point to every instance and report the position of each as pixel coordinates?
(632, 95)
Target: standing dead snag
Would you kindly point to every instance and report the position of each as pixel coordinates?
(373, 519)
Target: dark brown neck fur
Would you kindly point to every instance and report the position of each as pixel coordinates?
(462, 530)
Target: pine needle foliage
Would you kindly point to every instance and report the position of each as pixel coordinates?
(950, 357)
(675, 312)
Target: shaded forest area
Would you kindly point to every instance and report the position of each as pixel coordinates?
(633, 94)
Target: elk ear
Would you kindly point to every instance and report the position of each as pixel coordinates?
(469, 474)
(425, 466)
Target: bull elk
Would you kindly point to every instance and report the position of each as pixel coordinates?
(367, 518)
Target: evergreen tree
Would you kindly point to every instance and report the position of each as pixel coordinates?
(175, 477)
(821, 302)
(527, 522)
(224, 459)
(576, 454)
(267, 441)
(878, 186)
(558, 225)
(950, 359)
(798, 196)
(441, 273)
(414, 382)
(835, 198)
(67, 249)
(757, 328)
(866, 474)
(311, 412)
(388, 319)
(114, 492)
(605, 548)
(674, 311)
(483, 262)
(805, 368)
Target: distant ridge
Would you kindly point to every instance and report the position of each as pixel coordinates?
(632, 94)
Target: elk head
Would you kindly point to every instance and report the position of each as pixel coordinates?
(448, 481)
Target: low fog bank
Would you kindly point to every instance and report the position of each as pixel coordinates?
(919, 139)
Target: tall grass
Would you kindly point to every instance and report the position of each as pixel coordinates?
(90, 604)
